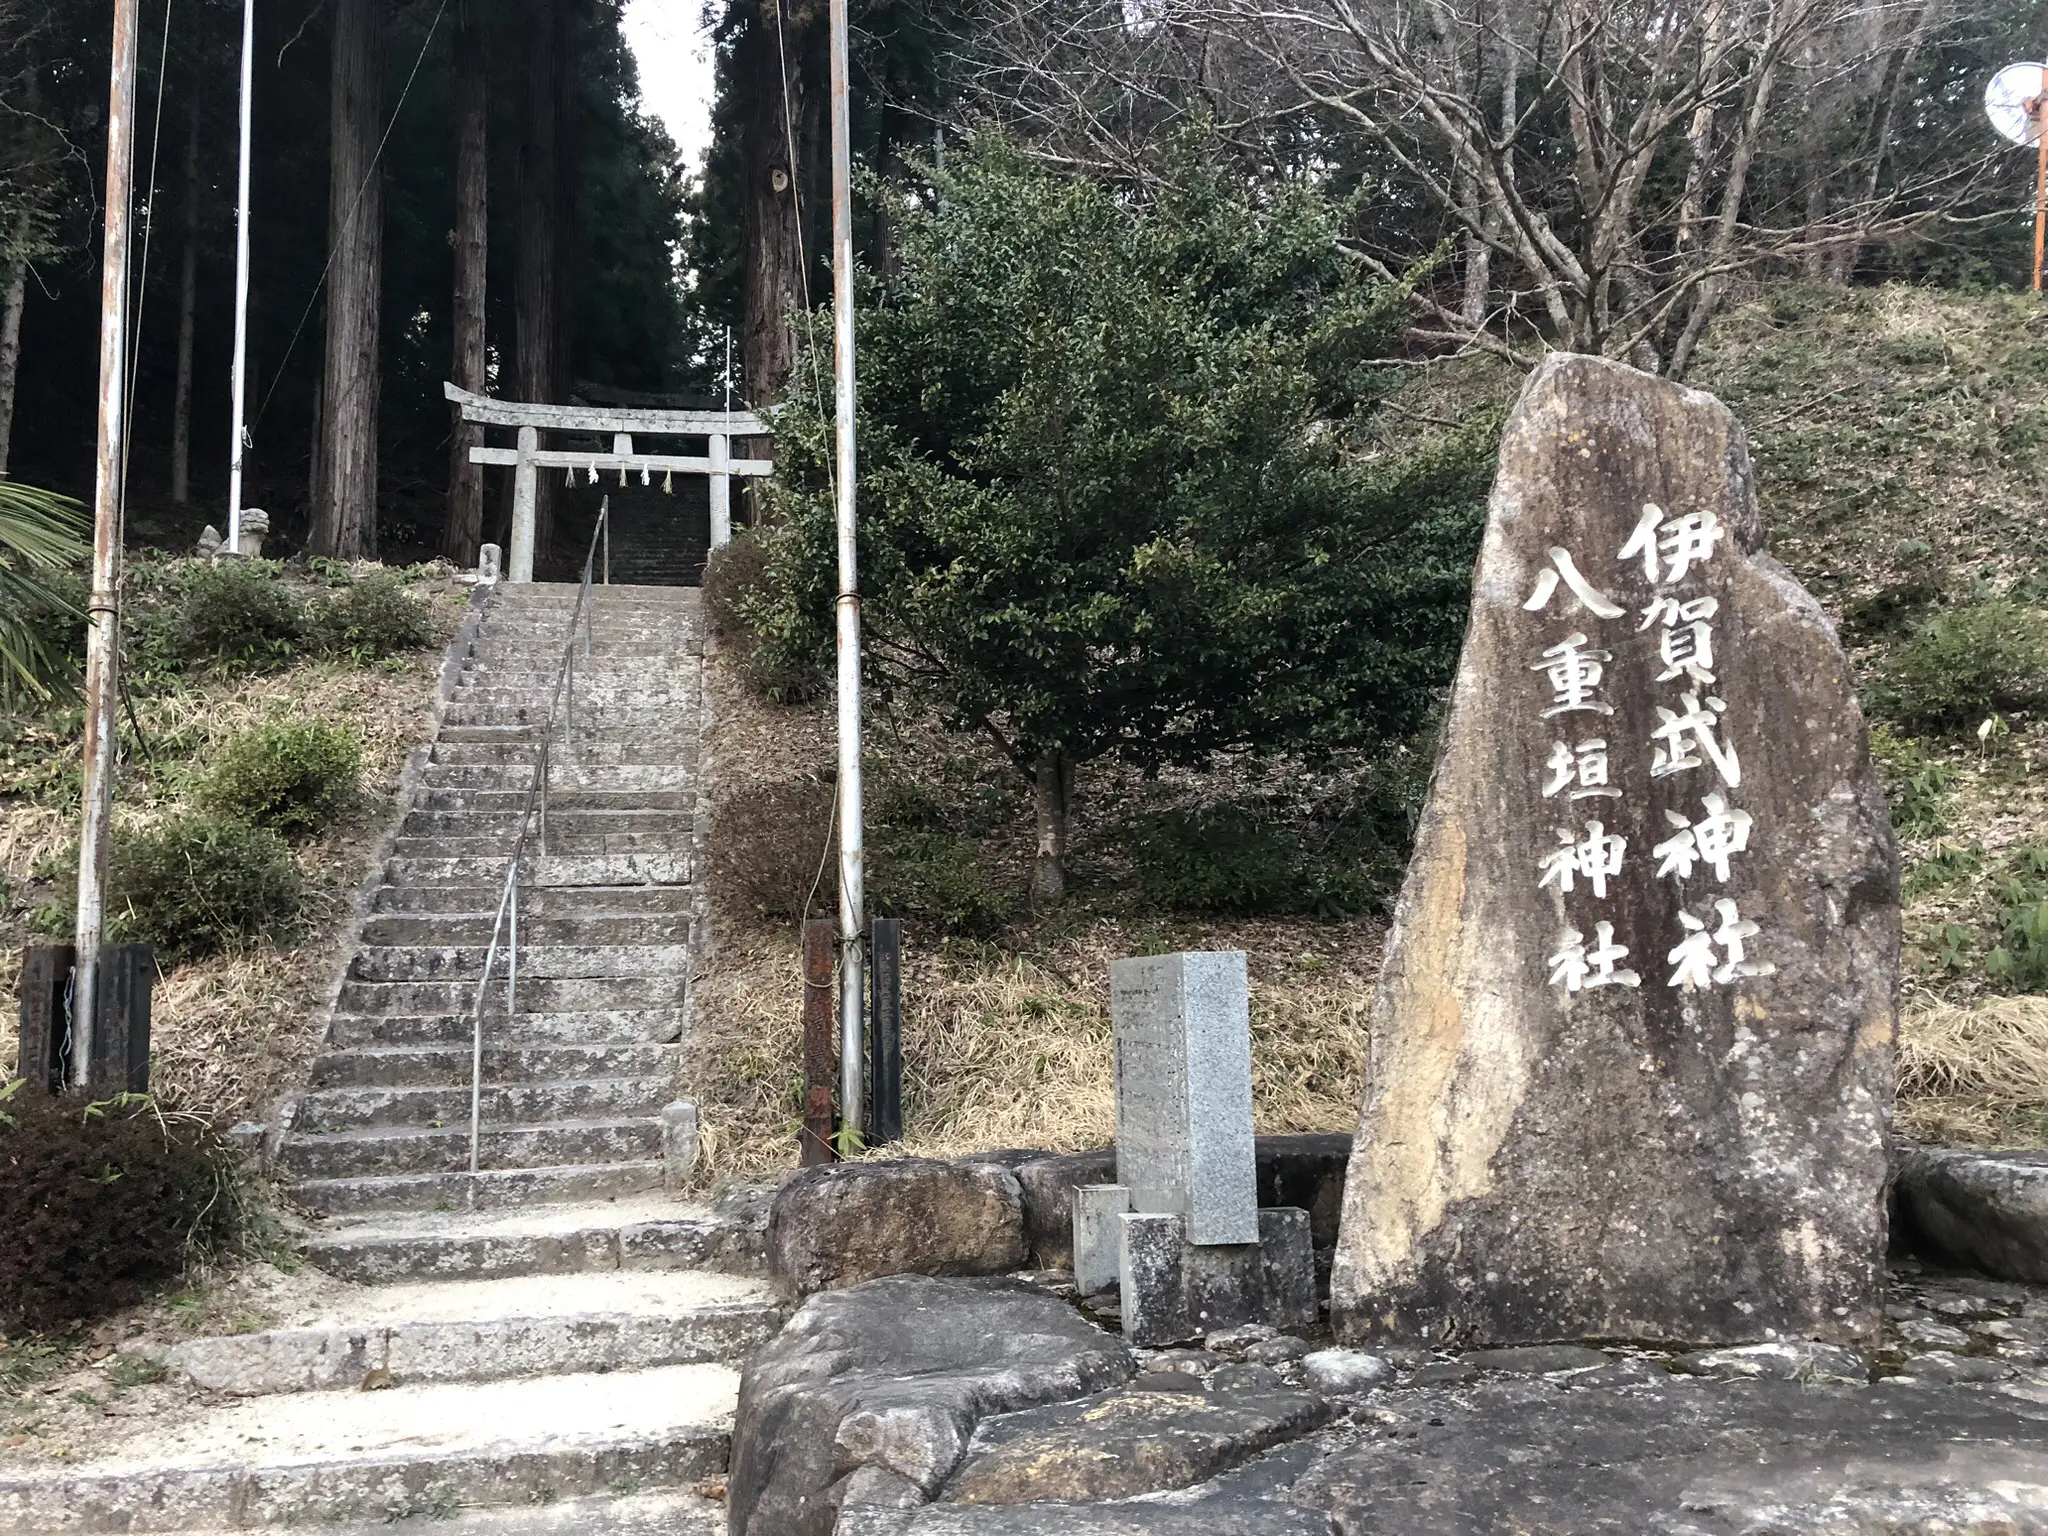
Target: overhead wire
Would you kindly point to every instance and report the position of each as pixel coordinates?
(156, 137)
(376, 159)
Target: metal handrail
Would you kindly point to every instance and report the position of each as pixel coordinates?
(563, 693)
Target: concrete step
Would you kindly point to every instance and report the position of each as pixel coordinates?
(465, 962)
(505, 818)
(646, 1232)
(296, 1459)
(493, 1189)
(674, 842)
(563, 800)
(567, 777)
(490, 1330)
(539, 902)
(525, 717)
(583, 994)
(577, 928)
(412, 1149)
(557, 870)
(664, 1512)
(446, 1104)
(481, 745)
(456, 1027)
(399, 1066)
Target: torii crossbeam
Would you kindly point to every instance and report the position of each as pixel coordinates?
(620, 423)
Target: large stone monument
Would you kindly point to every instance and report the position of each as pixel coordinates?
(1631, 1063)
(1180, 1232)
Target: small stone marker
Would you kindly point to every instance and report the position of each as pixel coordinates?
(1180, 1233)
(1184, 1091)
(1631, 1049)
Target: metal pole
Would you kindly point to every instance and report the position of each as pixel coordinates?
(102, 638)
(2040, 176)
(238, 378)
(852, 893)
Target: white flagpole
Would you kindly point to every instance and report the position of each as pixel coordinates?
(240, 369)
(852, 879)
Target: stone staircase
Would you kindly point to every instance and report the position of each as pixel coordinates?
(549, 1345)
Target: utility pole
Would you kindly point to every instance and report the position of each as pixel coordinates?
(238, 379)
(852, 879)
(103, 627)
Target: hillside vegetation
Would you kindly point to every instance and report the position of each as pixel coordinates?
(1900, 438)
(266, 715)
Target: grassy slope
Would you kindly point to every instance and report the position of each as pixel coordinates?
(1898, 434)
(1901, 443)
(231, 1032)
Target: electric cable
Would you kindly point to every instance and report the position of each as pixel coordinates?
(376, 159)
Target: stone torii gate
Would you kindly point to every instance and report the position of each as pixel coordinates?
(620, 422)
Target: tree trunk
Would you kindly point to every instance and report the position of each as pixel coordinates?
(345, 516)
(776, 88)
(464, 531)
(535, 283)
(11, 303)
(188, 311)
(1052, 800)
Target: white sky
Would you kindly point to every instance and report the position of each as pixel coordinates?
(674, 52)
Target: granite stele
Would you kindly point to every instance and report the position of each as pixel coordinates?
(1631, 1060)
(1181, 1232)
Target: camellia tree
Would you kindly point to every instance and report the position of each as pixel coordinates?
(1111, 500)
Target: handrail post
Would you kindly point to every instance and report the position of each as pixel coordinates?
(512, 952)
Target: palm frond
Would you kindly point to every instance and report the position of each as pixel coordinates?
(40, 536)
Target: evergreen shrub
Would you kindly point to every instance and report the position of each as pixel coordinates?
(772, 840)
(193, 885)
(236, 615)
(1961, 665)
(289, 777)
(103, 1202)
(373, 618)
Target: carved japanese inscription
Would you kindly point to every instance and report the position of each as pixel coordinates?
(1631, 1054)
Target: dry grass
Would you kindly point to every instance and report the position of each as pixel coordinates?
(1975, 1073)
(1008, 1044)
(231, 1032)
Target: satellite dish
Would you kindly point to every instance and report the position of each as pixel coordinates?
(2009, 100)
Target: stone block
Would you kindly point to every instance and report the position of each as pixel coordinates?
(894, 1375)
(1184, 1091)
(1631, 1069)
(1979, 1210)
(845, 1223)
(678, 1143)
(1173, 1290)
(1307, 1171)
(1125, 1444)
(1048, 1185)
(1097, 1227)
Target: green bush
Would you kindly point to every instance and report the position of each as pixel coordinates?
(936, 877)
(731, 575)
(236, 615)
(192, 885)
(293, 778)
(374, 618)
(1235, 861)
(103, 1202)
(1916, 786)
(1961, 665)
(51, 620)
(774, 849)
(2021, 957)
